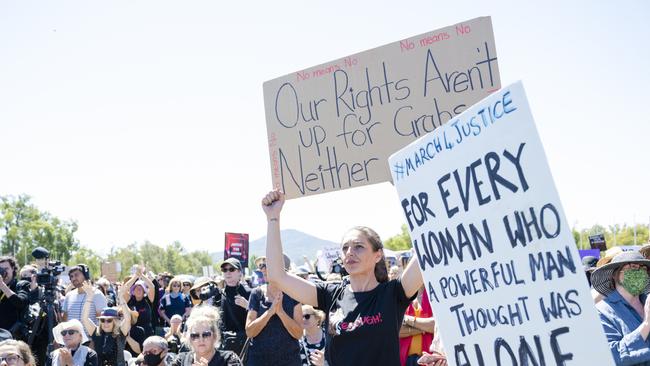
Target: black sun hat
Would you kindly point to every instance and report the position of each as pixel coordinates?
(601, 278)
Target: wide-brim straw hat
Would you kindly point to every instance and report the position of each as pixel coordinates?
(602, 278)
(609, 255)
(70, 324)
(202, 281)
(645, 250)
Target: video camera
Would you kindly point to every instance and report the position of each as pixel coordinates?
(48, 275)
(211, 290)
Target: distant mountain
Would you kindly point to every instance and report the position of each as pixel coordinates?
(295, 244)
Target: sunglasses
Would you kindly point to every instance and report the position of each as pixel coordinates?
(65, 332)
(187, 284)
(106, 320)
(307, 316)
(229, 269)
(176, 285)
(204, 335)
(262, 266)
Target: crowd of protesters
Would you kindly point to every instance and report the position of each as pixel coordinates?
(276, 316)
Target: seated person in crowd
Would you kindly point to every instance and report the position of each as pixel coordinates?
(17, 353)
(625, 309)
(203, 337)
(71, 337)
(155, 352)
(109, 338)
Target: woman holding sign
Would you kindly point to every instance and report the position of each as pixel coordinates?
(364, 312)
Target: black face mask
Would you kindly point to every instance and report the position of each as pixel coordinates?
(153, 360)
(28, 279)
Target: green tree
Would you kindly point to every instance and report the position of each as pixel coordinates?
(25, 227)
(400, 241)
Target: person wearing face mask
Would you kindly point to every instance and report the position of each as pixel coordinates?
(155, 352)
(625, 310)
(71, 337)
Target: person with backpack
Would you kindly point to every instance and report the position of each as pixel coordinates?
(174, 301)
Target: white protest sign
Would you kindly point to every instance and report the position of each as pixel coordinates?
(499, 261)
(334, 125)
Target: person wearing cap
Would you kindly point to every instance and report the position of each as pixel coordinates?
(13, 301)
(71, 337)
(625, 310)
(41, 255)
(174, 301)
(109, 337)
(274, 324)
(140, 298)
(232, 302)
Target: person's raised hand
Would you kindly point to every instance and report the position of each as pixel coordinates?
(272, 204)
(88, 288)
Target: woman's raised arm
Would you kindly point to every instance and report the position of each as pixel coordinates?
(301, 290)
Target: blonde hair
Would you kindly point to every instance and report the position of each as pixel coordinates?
(202, 315)
(175, 280)
(319, 314)
(23, 350)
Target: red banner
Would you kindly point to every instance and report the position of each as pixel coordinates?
(236, 246)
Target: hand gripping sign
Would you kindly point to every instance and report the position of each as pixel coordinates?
(498, 259)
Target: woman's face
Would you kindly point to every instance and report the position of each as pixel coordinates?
(202, 338)
(175, 287)
(357, 253)
(309, 319)
(71, 337)
(107, 324)
(138, 292)
(11, 356)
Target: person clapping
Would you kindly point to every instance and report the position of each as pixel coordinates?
(71, 336)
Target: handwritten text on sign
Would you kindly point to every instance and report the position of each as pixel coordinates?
(333, 126)
(498, 259)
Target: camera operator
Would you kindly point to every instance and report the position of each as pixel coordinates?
(233, 304)
(12, 300)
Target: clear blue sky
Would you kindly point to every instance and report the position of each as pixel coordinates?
(144, 119)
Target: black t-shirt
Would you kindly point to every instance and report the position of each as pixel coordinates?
(362, 327)
(144, 309)
(233, 318)
(220, 358)
(108, 347)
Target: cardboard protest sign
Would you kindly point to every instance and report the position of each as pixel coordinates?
(236, 246)
(111, 270)
(499, 261)
(334, 125)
